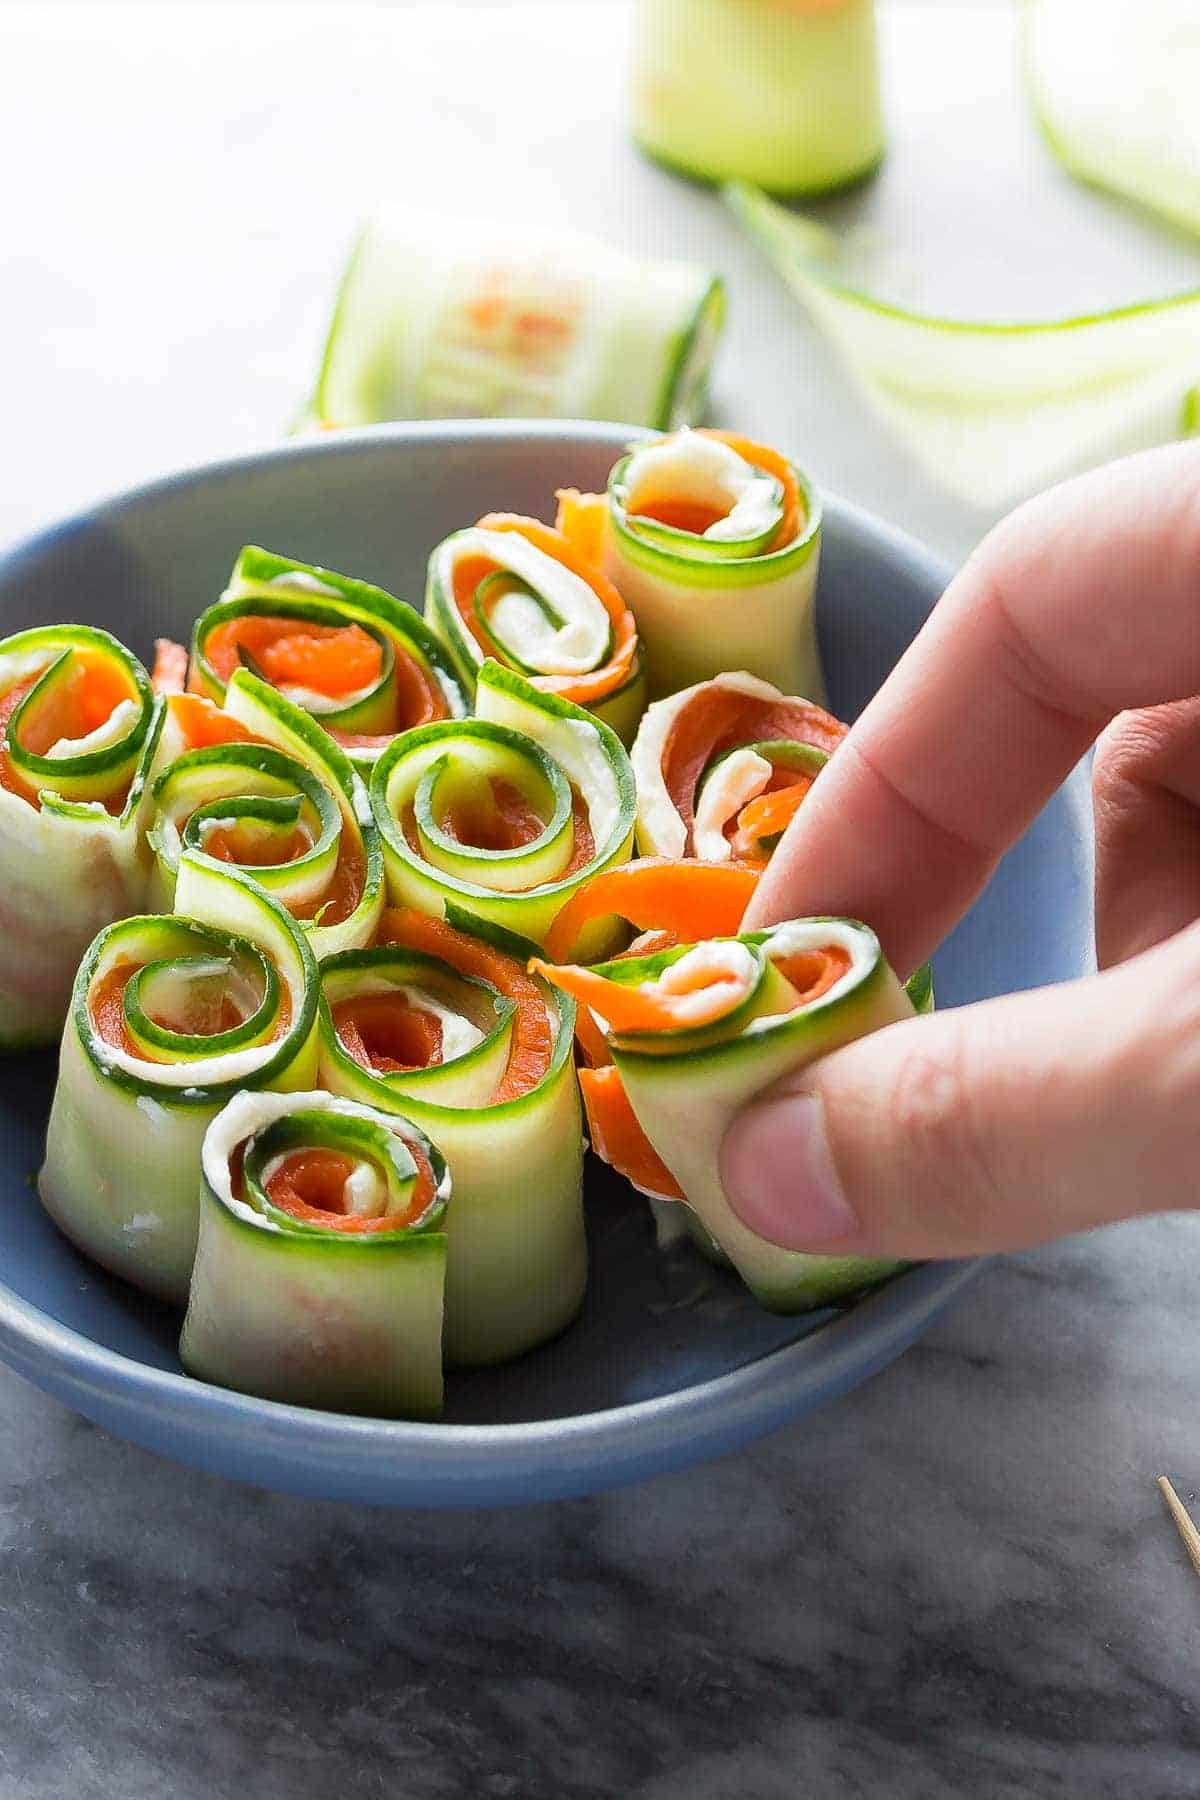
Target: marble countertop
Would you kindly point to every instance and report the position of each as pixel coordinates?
(961, 1580)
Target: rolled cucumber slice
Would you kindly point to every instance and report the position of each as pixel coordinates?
(171, 1016)
(445, 319)
(991, 410)
(686, 1083)
(716, 596)
(731, 713)
(569, 772)
(514, 589)
(80, 726)
(415, 683)
(783, 95)
(516, 1249)
(1113, 86)
(289, 810)
(292, 1305)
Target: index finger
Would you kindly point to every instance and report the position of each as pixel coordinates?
(1084, 602)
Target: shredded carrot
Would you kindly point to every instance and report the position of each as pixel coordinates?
(169, 675)
(617, 1137)
(531, 1045)
(684, 900)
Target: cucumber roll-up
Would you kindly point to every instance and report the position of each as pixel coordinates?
(257, 784)
(504, 815)
(363, 663)
(321, 1257)
(78, 725)
(714, 542)
(695, 1031)
(170, 1017)
(442, 1023)
(516, 590)
(723, 767)
(441, 319)
(781, 92)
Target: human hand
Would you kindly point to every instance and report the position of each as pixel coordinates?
(1012, 1121)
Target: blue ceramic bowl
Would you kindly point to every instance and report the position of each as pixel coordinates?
(671, 1362)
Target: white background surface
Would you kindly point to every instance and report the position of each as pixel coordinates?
(181, 182)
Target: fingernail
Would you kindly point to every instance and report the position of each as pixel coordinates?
(779, 1175)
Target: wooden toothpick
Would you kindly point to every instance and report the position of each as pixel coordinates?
(1182, 1518)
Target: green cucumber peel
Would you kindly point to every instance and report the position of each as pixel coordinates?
(686, 1089)
(258, 585)
(651, 329)
(684, 395)
(784, 95)
(516, 1260)
(371, 1142)
(468, 649)
(294, 734)
(700, 562)
(148, 993)
(308, 1314)
(69, 782)
(516, 723)
(357, 971)
(991, 409)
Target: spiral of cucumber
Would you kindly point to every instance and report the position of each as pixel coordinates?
(302, 1309)
(516, 1255)
(721, 599)
(415, 680)
(685, 1084)
(286, 806)
(72, 801)
(170, 1017)
(574, 786)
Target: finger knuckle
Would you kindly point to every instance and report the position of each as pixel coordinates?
(936, 1115)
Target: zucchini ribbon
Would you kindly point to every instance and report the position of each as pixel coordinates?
(1113, 88)
(441, 319)
(440, 1022)
(78, 726)
(504, 815)
(696, 1030)
(714, 542)
(170, 1017)
(516, 590)
(260, 786)
(722, 767)
(363, 663)
(786, 95)
(991, 409)
(321, 1257)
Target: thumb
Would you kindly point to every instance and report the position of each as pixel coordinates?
(989, 1127)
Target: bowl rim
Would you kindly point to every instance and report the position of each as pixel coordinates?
(864, 1337)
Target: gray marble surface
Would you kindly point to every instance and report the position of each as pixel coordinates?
(958, 1582)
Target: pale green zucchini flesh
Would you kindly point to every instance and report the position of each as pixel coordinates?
(300, 1309)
